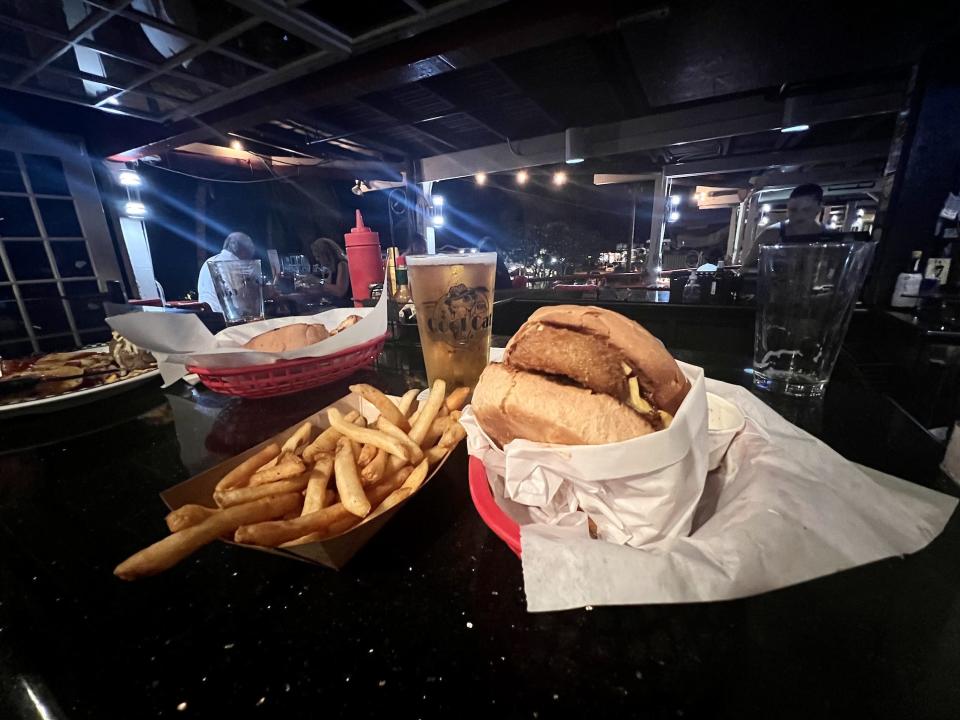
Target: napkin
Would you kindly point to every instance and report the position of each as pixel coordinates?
(781, 509)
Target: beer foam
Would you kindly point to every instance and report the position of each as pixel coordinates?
(483, 258)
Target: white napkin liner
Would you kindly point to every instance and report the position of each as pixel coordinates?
(180, 339)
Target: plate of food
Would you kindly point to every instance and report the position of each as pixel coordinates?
(54, 381)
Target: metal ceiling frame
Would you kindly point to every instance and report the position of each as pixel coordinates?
(330, 45)
(711, 121)
(802, 156)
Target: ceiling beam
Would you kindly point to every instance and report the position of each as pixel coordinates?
(471, 41)
(804, 156)
(403, 118)
(300, 23)
(712, 121)
(865, 187)
(180, 58)
(473, 115)
(87, 25)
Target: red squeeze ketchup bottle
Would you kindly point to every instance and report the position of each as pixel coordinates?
(365, 260)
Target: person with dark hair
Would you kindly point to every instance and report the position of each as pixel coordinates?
(803, 212)
(236, 246)
(332, 258)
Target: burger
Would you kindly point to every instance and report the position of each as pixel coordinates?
(579, 375)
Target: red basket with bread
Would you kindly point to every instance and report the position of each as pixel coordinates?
(284, 377)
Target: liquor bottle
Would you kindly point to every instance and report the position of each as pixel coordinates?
(402, 296)
(907, 289)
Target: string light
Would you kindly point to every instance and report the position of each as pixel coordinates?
(236, 145)
(130, 178)
(481, 178)
(134, 208)
(673, 216)
(522, 177)
(559, 178)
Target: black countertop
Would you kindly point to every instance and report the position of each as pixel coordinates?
(429, 620)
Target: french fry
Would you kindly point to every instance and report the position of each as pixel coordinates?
(242, 473)
(457, 399)
(187, 516)
(394, 498)
(238, 496)
(382, 403)
(172, 549)
(319, 478)
(436, 454)
(327, 440)
(416, 477)
(360, 422)
(436, 430)
(429, 411)
(372, 472)
(408, 403)
(411, 479)
(452, 435)
(366, 455)
(348, 480)
(300, 437)
(367, 435)
(399, 477)
(276, 532)
(269, 464)
(288, 466)
(292, 444)
(335, 528)
(414, 453)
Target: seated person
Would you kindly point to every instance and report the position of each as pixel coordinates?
(803, 209)
(236, 246)
(332, 257)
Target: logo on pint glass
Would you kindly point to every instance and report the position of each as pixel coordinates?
(460, 315)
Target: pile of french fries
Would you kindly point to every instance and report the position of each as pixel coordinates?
(318, 484)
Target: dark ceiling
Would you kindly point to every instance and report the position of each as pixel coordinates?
(400, 80)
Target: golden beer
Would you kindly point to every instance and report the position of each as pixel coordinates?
(453, 294)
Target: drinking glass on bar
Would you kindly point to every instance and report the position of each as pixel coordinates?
(805, 298)
(239, 285)
(453, 294)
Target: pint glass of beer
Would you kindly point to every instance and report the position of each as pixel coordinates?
(453, 294)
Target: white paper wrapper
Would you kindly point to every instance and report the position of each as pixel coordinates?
(180, 339)
(782, 508)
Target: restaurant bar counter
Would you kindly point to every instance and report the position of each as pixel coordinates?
(429, 620)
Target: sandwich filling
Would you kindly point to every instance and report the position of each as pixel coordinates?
(588, 360)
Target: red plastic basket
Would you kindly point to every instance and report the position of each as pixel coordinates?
(289, 376)
(495, 518)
